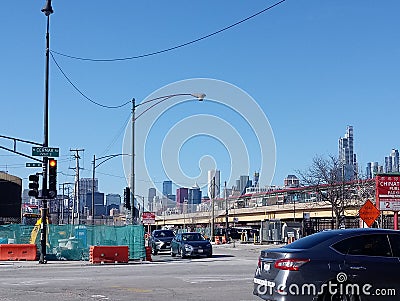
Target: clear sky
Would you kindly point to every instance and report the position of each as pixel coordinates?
(309, 68)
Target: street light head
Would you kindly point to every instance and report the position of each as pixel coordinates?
(199, 96)
(47, 9)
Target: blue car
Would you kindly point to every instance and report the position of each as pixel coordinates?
(189, 244)
(335, 265)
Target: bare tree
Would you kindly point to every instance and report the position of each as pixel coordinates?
(326, 177)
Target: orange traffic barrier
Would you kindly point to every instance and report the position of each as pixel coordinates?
(290, 240)
(18, 252)
(148, 253)
(217, 241)
(223, 239)
(109, 254)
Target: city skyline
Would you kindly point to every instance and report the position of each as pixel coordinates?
(312, 68)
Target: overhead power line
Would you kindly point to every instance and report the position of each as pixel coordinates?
(81, 93)
(171, 48)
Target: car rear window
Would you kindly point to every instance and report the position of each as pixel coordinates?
(192, 237)
(164, 233)
(312, 240)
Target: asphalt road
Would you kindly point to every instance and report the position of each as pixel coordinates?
(228, 275)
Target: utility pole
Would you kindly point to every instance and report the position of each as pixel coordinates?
(133, 163)
(226, 213)
(76, 202)
(212, 207)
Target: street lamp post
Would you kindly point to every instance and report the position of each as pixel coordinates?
(47, 10)
(157, 100)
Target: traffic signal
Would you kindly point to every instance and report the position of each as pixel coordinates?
(52, 191)
(127, 198)
(34, 186)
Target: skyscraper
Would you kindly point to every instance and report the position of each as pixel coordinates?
(150, 198)
(194, 198)
(167, 188)
(347, 157)
(182, 194)
(392, 161)
(217, 184)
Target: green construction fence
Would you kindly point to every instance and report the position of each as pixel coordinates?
(72, 242)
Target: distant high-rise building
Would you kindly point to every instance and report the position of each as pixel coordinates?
(244, 183)
(395, 160)
(194, 197)
(150, 198)
(182, 194)
(368, 170)
(113, 201)
(167, 188)
(214, 173)
(86, 186)
(99, 207)
(392, 162)
(347, 157)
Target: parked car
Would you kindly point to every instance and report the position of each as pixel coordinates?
(190, 244)
(160, 240)
(346, 265)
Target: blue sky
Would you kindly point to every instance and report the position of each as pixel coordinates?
(313, 67)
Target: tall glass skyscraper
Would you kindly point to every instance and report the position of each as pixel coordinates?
(347, 157)
(167, 188)
(392, 161)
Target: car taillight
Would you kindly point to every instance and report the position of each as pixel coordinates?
(259, 262)
(290, 264)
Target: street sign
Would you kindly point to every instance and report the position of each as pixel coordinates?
(33, 164)
(368, 213)
(387, 187)
(148, 218)
(45, 151)
(389, 205)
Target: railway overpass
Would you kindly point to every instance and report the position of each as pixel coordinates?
(254, 215)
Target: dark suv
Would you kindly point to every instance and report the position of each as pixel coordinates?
(160, 240)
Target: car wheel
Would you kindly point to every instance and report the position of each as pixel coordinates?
(154, 251)
(181, 253)
(209, 255)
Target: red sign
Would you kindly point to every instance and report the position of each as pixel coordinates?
(387, 187)
(368, 213)
(148, 218)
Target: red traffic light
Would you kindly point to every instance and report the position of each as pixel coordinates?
(52, 163)
(52, 189)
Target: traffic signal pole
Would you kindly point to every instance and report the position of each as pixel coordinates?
(47, 10)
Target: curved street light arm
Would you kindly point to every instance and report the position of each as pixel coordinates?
(108, 158)
(199, 96)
